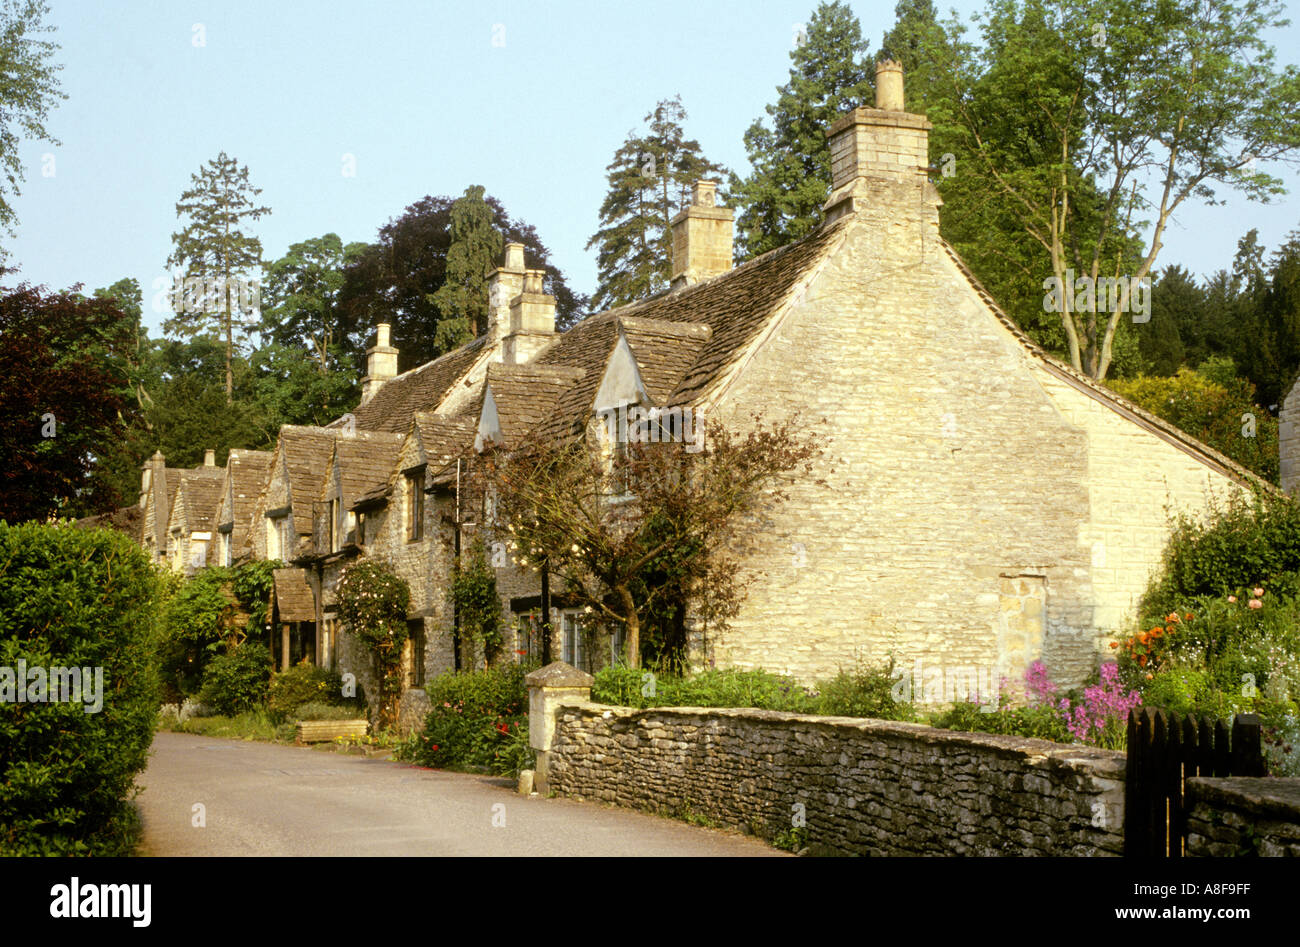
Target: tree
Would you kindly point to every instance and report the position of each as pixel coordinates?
(781, 199)
(1215, 407)
(29, 87)
(623, 529)
(300, 296)
(70, 409)
(213, 252)
(397, 278)
(476, 247)
(649, 181)
(1141, 96)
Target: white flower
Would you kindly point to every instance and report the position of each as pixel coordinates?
(576, 549)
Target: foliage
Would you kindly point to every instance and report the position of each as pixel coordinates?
(781, 199)
(397, 278)
(237, 682)
(373, 601)
(1239, 542)
(321, 711)
(85, 599)
(650, 180)
(865, 692)
(300, 297)
(479, 720)
(72, 405)
(475, 249)
(1037, 722)
(474, 594)
(1224, 416)
(213, 249)
(30, 89)
(307, 684)
(250, 725)
(623, 528)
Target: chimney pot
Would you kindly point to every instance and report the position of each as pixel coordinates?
(514, 256)
(383, 334)
(209, 458)
(889, 85)
(381, 362)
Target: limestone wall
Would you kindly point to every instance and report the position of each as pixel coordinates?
(1242, 816)
(867, 787)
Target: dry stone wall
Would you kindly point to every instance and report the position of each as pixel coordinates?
(863, 787)
(1243, 816)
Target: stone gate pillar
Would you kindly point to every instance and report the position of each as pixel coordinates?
(547, 688)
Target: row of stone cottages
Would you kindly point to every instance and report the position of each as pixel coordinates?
(989, 506)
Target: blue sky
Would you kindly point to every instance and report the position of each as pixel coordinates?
(426, 103)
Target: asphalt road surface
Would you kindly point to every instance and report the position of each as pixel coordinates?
(269, 799)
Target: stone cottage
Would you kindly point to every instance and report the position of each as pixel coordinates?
(987, 506)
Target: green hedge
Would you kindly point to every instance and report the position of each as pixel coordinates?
(76, 598)
(238, 682)
(304, 684)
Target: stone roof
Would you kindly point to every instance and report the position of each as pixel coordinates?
(664, 352)
(365, 461)
(306, 453)
(126, 519)
(1122, 406)
(526, 395)
(245, 478)
(293, 595)
(421, 389)
(199, 496)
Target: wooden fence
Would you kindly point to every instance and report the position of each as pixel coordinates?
(1164, 751)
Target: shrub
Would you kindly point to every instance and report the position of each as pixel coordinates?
(1039, 722)
(319, 711)
(865, 692)
(476, 721)
(731, 687)
(305, 683)
(76, 598)
(237, 682)
(373, 601)
(1240, 543)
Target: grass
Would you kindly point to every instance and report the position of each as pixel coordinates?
(254, 725)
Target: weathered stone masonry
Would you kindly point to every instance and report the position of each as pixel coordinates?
(1243, 816)
(868, 787)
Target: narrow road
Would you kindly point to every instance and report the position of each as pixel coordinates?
(268, 799)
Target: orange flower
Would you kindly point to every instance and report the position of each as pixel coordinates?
(1114, 644)
(1150, 675)
(1188, 617)
(1142, 660)
(1173, 616)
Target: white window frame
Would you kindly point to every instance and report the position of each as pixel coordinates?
(571, 637)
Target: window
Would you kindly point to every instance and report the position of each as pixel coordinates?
(334, 525)
(277, 538)
(414, 652)
(361, 529)
(526, 637)
(414, 505)
(350, 529)
(618, 646)
(227, 553)
(571, 634)
(329, 642)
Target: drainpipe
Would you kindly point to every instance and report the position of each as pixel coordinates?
(455, 611)
(546, 612)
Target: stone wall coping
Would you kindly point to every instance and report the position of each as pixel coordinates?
(1107, 763)
(1269, 797)
(558, 674)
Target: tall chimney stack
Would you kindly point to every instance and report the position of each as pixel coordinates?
(702, 236)
(532, 320)
(209, 458)
(381, 363)
(504, 284)
(880, 157)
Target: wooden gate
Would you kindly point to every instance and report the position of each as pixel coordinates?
(1165, 750)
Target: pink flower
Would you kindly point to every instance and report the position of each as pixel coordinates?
(1255, 603)
(1232, 598)
(1258, 593)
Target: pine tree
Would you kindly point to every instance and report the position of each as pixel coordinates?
(212, 252)
(476, 246)
(649, 181)
(782, 198)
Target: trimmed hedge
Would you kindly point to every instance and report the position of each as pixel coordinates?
(76, 598)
